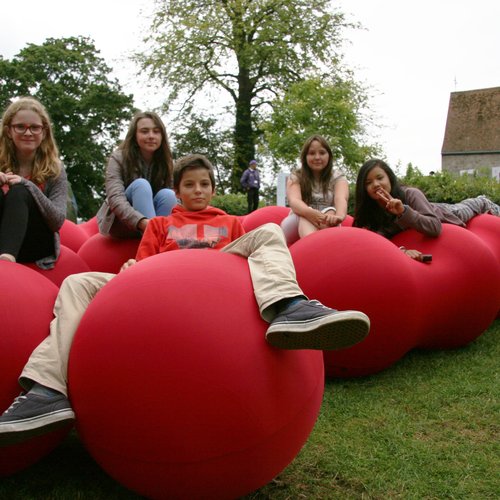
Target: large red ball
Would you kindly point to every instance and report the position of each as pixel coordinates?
(351, 268)
(176, 391)
(106, 254)
(27, 300)
(73, 235)
(459, 290)
(348, 221)
(487, 227)
(68, 263)
(264, 215)
(90, 227)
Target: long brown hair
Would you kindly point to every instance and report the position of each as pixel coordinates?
(162, 166)
(367, 212)
(305, 174)
(46, 163)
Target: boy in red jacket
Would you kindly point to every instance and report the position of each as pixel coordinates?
(295, 321)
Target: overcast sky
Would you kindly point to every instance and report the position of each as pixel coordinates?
(411, 54)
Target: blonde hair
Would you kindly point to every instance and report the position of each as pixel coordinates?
(46, 163)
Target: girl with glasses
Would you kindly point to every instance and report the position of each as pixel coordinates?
(33, 186)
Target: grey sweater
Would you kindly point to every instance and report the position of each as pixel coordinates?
(116, 204)
(420, 214)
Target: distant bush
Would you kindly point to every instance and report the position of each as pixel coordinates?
(445, 187)
(234, 204)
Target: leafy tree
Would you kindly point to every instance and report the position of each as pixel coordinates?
(324, 105)
(88, 110)
(201, 135)
(251, 49)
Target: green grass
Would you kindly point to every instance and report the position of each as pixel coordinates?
(426, 428)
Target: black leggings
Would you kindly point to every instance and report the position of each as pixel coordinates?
(23, 231)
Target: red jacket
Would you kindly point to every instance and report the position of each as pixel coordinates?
(208, 228)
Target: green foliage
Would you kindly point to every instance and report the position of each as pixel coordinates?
(253, 51)
(197, 43)
(267, 193)
(200, 134)
(330, 106)
(234, 204)
(88, 110)
(446, 187)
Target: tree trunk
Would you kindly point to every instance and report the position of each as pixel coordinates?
(244, 145)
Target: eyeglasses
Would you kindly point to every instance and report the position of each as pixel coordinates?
(21, 128)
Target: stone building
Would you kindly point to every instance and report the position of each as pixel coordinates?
(472, 135)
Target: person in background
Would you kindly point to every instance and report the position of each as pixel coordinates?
(33, 186)
(317, 193)
(138, 179)
(386, 207)
(250, 181)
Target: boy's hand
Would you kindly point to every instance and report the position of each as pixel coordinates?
(127, 264)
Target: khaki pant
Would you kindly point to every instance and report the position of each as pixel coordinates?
(273, 278)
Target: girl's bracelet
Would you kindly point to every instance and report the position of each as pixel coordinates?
(327, 209)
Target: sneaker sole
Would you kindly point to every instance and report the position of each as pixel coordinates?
(18, 431)
(337, 331)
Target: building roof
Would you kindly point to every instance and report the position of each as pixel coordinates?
(473, 123)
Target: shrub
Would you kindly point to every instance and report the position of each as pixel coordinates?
(234, 204)
(445, 187)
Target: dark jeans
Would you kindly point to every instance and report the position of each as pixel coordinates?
(253, 199)
(23, 231)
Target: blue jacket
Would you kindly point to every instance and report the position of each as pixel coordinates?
(250, 179)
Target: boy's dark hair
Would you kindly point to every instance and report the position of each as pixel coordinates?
(190, 162)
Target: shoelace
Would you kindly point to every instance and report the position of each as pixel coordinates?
(16, 402)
